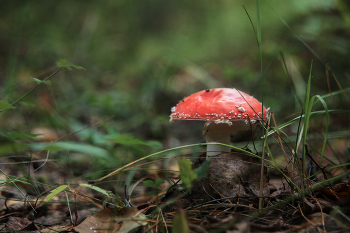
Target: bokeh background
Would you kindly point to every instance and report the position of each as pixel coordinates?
(142, 57)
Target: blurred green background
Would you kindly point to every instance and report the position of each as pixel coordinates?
(142, 57)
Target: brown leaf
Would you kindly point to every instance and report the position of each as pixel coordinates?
(21, 224)
(338, 191)
(240, 227)
(45, 134)
(55, 229)
(113, 220)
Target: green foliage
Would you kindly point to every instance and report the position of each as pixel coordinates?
(109, 194)
(307, 112)
(180, 224)
(111, 197)
(187, 174)
(302, 116)
(56, 191)
(73, 146)
(38, 81)
(153, 184)
(5, 182)
(14, 135)
(5, 105)
(138, 68)
(337, 210)
(158, 182)
(132, 142)
(65, 64)
(202, 171)
(125, 140)
(7, 147)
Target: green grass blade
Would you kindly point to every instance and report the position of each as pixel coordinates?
(295, 34)
(307, 111)
(98, 189)
(302, 116)
(73, 146)
(329, 168)
(327, 122)
(56, 191)
(276, 166)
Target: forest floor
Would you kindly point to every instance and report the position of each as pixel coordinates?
(173, 207)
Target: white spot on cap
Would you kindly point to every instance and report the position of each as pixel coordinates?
(241, 109)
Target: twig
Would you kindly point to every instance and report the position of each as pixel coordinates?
(322, 217)
(70, 212)
(47, 156)
(309, 221)
(166, 227)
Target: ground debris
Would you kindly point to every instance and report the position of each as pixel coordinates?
(113, 220)
(21, 224)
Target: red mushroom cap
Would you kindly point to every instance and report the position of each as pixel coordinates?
(220, 105)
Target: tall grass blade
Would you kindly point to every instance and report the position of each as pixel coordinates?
(307, 111)
(309, 48)
(327, 121)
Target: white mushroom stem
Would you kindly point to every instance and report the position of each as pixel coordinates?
(220, 132)
(218, 137)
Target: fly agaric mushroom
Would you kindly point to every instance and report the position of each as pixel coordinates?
(225, 110)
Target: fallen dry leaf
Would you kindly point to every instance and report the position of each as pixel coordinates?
(21, 224)
(45, 134)
(113, 220)
(55, 229)
(338, 191)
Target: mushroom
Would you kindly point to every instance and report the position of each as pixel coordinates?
(225, 110)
